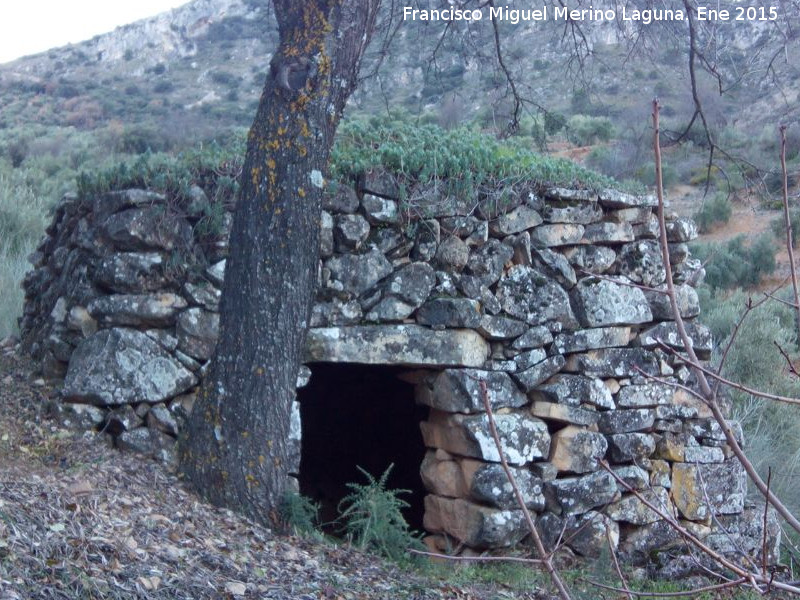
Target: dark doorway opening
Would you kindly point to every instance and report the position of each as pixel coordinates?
(360, 416)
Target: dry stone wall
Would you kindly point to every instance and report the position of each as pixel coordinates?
(550, 296)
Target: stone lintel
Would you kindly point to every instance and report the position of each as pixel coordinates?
(396, 345)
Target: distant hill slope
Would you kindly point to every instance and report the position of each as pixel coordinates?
(197, 70)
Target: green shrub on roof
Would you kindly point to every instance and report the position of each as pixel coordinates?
(463, 159)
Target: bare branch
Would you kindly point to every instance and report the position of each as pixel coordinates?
(517, 559)
(788, 225)
(687, 594)
(537, 540)
(513, 125)
(627, 590)
(687, 344)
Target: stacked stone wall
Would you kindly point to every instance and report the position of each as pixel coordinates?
(550, 296)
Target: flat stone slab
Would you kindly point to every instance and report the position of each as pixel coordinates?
(563, 413)
(396, 345)
(574, 390)
(592, 339)
(459, 390)
(615, 199)
(614, 362)
(474, 525)
(645, 395)
(524, 438)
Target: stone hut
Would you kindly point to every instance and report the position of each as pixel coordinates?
(548, 295)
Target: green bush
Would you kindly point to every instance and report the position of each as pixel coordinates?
(373, 518)
(736, 264)
(581, 101)
(300, 514)
(646, 174)
(224, 78)
(461, 158)
(772, 430)
(714, 211)
(139, 139)
(213, 167)
(163, 87)
(778, 227)
(584, 130)
(22, 222)
(554, 122)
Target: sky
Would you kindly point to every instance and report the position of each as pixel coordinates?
(32, 26)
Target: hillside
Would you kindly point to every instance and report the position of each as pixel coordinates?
(77, 520)
(191, 73)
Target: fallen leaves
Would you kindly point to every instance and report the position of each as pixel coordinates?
(80, 488)
(236, 588)
(150, 583)
(116, 526)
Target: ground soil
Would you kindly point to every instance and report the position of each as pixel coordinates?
(749, 218)
(79, 520)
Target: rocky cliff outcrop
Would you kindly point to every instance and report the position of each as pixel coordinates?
(550, 296)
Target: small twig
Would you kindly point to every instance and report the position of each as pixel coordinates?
(788, 224)
(518, 559)
(617, 567)
(789, 363)
(764, 526)
(689, 594)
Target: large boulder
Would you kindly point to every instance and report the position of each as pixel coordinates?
(450, 312)
(576, 495)
(459, 390)
(641, 262)
(488, 483)
(486, 262)
(702, 490)
(359, 272)
(149, 228)
(131, 272)
(197, 331)
(577, 450)
(528, 294)
(601, 302)
(524, 438)
(124, 366)
(474, 525)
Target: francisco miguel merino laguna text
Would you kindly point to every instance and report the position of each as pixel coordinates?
(645, 16)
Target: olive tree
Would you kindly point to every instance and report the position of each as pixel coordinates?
(235, 451)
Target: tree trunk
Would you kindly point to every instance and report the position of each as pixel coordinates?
(235, 450)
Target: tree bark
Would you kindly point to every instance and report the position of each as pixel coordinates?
(235, 449)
